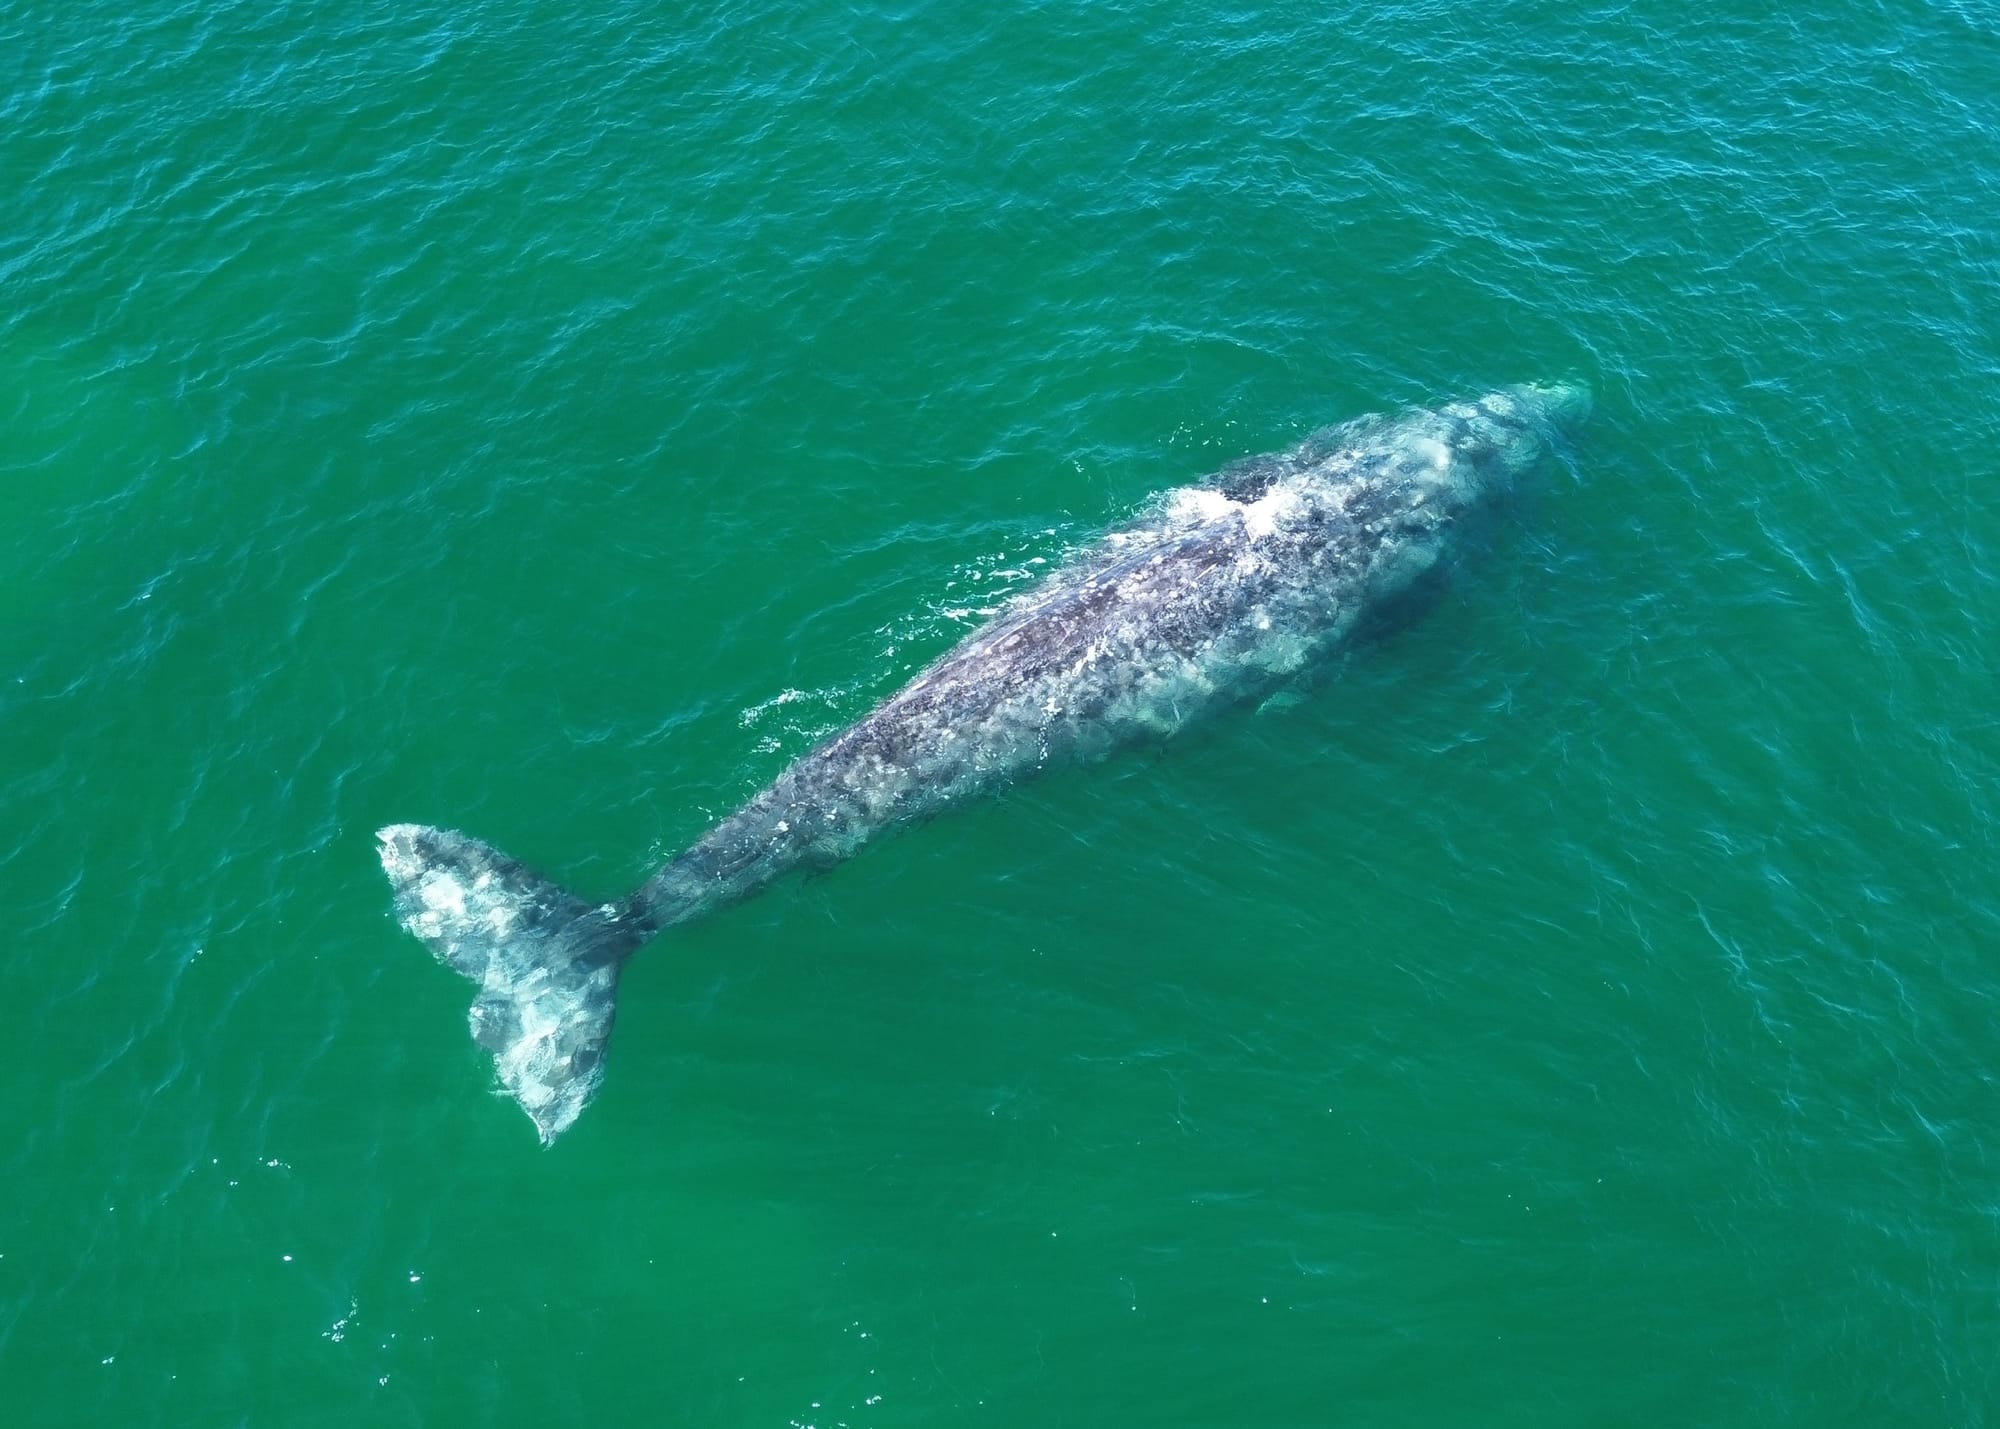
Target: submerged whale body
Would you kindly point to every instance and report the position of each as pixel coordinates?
(1219, 592)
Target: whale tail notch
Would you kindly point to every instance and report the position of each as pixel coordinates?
(546, 962)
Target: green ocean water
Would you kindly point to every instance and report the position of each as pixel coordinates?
(1579, 1006)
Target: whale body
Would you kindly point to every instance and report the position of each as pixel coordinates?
(1216, 593)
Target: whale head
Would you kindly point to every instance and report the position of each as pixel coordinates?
(1562, 405)
(1500, 436)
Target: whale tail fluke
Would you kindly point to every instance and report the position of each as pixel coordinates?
(546, 962)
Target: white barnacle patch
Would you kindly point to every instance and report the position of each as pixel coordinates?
(1281, 654)
(524, 1063)
(442, 894)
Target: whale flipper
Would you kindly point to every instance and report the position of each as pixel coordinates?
(546, 962)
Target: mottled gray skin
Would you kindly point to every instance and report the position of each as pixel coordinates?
(1218, 593)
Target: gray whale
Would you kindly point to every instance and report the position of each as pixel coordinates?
(1218, 592)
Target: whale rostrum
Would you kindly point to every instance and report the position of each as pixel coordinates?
(1217, 593)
